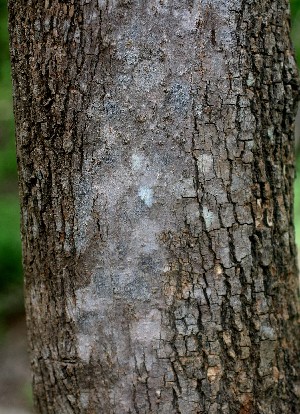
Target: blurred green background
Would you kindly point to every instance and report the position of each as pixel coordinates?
(10, 249)
(295, 21)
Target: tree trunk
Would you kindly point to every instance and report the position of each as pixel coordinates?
(156, 165)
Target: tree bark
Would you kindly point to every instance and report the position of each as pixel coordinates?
(156, 166)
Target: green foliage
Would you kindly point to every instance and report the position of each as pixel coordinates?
(297, 204)
(28, 394)
(11, 300)
(8, 163)
(7, 147)
(10, 253)
(295, 20)
(5, 80)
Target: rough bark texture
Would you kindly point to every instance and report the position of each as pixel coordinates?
(156, 166)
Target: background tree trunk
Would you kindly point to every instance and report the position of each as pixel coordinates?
(156, 166)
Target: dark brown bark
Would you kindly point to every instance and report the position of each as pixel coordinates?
(156, 165)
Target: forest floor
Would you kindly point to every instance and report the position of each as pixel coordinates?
(15, 387)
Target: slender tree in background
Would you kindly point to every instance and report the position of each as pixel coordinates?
(156, 167)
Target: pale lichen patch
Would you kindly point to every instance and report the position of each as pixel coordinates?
(84, 347)
(148, 328)
(146, 195)
(185, 188)
(205, 164)
(137, 161)
(210, 218)
(251, 79)
(84, 398)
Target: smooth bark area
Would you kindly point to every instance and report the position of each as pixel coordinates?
(156, 164)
